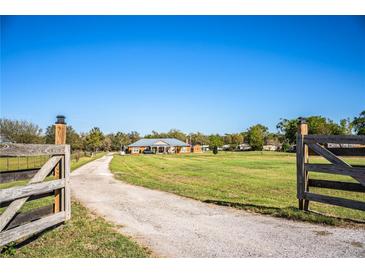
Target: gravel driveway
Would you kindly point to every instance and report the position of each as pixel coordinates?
(173, 226)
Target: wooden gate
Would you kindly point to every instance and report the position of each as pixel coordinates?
(347, 145)
(14, 225)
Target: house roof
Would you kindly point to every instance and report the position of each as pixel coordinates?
(163, 142)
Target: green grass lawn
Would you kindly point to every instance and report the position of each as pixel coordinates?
(263, 182)
(16, 163)
(83, 236)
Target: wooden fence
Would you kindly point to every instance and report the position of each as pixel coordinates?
(319, 145)
(24, 168)
(15, 225)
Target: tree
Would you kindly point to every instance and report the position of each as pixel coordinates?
(134, 136)
(346, 126)
(199, 138)
(17, 131)
(175, 133)
(256, 136)
(322, 125)
(237, 139)
(119, 140)
(227, 139)
(359, 124)
(72, 137)
(316, 125)
(215, 140)
(273, 139)
(94, 139)
(106, 143)
(289, 128)
(155, 134)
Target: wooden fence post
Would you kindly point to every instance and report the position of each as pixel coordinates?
(302, 158)
(60, 139)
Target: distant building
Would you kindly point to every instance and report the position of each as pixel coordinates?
(196, 149)
(159, 146)
(205, 148)
(270, 147)
(244, 147)
(226, 147)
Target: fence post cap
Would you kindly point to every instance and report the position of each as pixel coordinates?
(302, 120)
(60, 119)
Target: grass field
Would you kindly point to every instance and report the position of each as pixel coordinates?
(263, 182)
(83, 236)
(16, 163)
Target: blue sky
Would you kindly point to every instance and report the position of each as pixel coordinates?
(214, 74)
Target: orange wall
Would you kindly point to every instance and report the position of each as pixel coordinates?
(197, 149)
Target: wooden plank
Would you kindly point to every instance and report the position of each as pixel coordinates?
(346, 186)
(302, 158)
(13, 193)
(336, 139)
(335, 201)
(344, 151)
(335, 169)
(11, 210)
(31, 228)
(332, 158)
(67, 185)
(30, 149)
(30, 216)
(351, 151)
(31, 198)
(57, 199)
(300, 170)
(16, 175)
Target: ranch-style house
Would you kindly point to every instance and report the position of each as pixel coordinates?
(159, 146)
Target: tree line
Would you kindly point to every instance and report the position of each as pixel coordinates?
(256, 136)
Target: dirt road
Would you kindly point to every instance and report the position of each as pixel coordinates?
(173, 226)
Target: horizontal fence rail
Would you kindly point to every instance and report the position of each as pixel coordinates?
(327, 146)
(335, 169)
(31, 150)
(31, 228)
(343, 151)
(14, 193)
(335, 139)
(334, 201)
(346, 186)
(15, 225)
